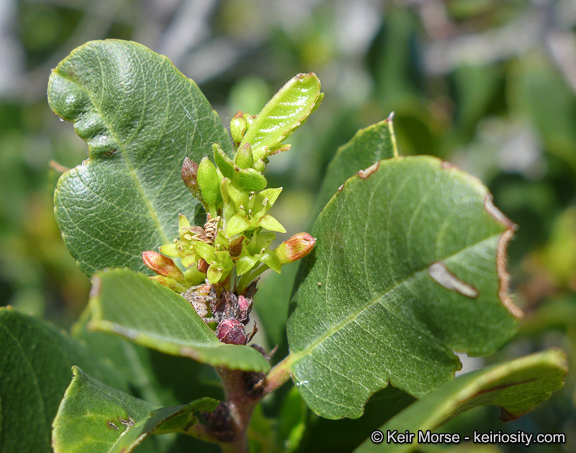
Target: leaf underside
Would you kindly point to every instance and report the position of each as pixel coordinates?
(156, 317)
(96, 417)
(405, 270)
(516, 387)
(34, 373)
(140, 117)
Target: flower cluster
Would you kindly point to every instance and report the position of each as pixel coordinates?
(232, 249)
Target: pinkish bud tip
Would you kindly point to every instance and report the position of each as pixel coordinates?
(162, 265)
(295, 248)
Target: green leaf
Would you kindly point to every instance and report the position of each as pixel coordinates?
(147, 313)
(237, 224)
(205, 250)
(271, 224)
(409, 265)
(140, 117)
(271, 260)
(149, 372)
(34, 373)
(287, 110)
(271, 195)
(368, 146)
(342, 436)
(245, 263)
(224, 163)
(516, 387)
(96, 417)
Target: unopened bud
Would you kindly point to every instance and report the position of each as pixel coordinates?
(162, 265)
(231, 331)
(203, 265)
(295, 248)
(244, 157)
(238, 127)
(190, 175)
(235, 247)
(209, 184)
(249, 119)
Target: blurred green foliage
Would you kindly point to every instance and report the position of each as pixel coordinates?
(487, 85)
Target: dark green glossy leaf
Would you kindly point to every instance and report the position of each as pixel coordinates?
(94, 417)
(368, 146)
(34, 373)
(409, 265)
(140, 117)
(139, 309)
(516, 387)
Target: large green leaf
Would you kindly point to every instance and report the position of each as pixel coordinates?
(140, 117)
(150, 372)
(94, 417)
(139, 309)
(516, 387)
(34, 373)
(367, 147)
(409, 265)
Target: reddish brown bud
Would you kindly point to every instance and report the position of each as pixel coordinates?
(203, 265)
(190, 174)
(295, 248)
(235, 247)
(231, 331)
(162, 265)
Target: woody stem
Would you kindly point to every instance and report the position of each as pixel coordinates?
(240, 406)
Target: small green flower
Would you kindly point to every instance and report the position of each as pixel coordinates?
(220, 263)
(252, 211)
(185, 247)
(233, 192)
